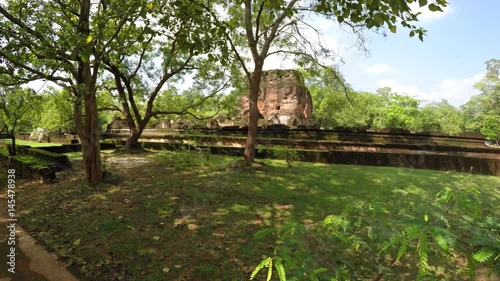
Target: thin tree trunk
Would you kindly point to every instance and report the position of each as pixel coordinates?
(13, 144)
(253, 116)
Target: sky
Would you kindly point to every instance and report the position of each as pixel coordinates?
(446, 65)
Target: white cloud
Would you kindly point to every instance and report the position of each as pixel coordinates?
(455, 91)
(428, 16)
(379, 68)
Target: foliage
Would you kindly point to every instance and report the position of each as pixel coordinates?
(146, 57)
(439, 116)
(487, 103)
(335, 104)
(18, 108)
(491, 127)
(398, 111)
(264, 28)
(57, 111)
(285, 260)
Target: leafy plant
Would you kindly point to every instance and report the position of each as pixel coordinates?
(190, 156)
(284, 258)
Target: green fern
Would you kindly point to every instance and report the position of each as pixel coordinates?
(261, 265)
(483, 255)
(268, 263)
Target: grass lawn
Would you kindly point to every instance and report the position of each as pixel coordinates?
(174, 216)
(31, 143)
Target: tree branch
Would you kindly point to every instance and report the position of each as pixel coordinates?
(185, 110)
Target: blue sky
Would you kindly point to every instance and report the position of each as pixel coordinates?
(445, 66)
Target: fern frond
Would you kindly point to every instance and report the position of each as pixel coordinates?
(443, 237)
(260, 266)
(422, 249)
(278, 264)
(269, 266)
(483, 255)
(402, 249)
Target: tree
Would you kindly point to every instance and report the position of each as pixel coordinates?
(147, 56)
(439, 116)
(487, 102)
(65, 42)
(56, 111)
(335, 104)
(490, 85)
(17, 108)
(473, 112)
(281, 27)
(398, 111)
(491, 128)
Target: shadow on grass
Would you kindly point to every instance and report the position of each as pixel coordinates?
(186, 219)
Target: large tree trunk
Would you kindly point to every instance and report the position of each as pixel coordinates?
(253, 116)
(135, 133)
(91, 146)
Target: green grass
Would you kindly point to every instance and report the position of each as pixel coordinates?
(178, 217)
(73, 155)
(31, 143)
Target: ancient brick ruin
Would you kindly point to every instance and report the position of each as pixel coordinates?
(283, 99)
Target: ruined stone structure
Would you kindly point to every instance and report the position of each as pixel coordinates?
(283, 99)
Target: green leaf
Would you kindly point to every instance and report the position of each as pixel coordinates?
(392, 28)
(422, 3)
(89, 38)
(77, 242)
(262, 233)
(412, 34)
(434, 8)
(421, 36)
